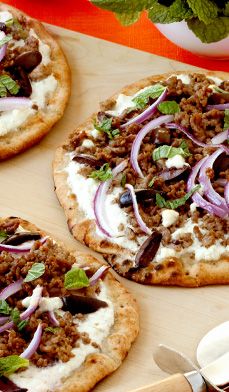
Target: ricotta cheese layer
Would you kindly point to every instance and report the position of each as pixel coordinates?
(97, 325)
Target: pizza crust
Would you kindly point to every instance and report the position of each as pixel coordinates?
(124, 331)
(37, 126)
(171, 271)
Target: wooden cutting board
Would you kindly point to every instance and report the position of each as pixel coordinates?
(174, 316)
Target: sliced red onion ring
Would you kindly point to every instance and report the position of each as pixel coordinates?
(11, 103)
(170, 174)
(25, 247)
(3, 319)
(140, 136)
(34, 344)
(222, 106)
(99, 274)
(138, 217)
(53, 318)
(3, 51)
(11, 289)
(205, 181)
(147, 113)
(196, 141)
(34, 302)
(221, 137)
(197, 198)
(99, 201)
(226, 193)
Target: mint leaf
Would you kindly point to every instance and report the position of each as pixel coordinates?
(76, 278)
(123, 180)
(169, 152)
(52, 329)
(176, 12)
(226, 119)
(3, 235)
(173, 204)
(153, 92)
(4, 307)
(106, 126)
(226, 11)
(127, 19)
(7, 83)
(5, 39)
(15, 316)
(169, 107)
(152, 181)
(212, 32)
(205, 10)
(103, 174)
(9, 22)
(122, 6)
(11, 364)
(37, 270)
(219, 90)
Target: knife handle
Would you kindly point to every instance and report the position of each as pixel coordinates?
(177, 383)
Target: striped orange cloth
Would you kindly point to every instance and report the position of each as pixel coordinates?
(82, 16)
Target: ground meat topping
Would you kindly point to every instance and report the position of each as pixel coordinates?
(202, 123)
(56, 344)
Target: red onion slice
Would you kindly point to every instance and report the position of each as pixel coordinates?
(53, 318)
(4, 319)
(34, 344)
(34, 302)
(11, 289)
(226, 193)
(11, 103)
(138, 217)
(6, 326)
(222, 106)
(140, 136)
(99, 201)
(170, 174)
(197, 198)
(25, 247)
(3, 51)
(221, 181)
(147, 113)
(221, 137)
(99, 274)
(205, 181)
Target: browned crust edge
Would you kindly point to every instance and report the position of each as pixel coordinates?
(116, 346)
(172, 271)
(36, 127)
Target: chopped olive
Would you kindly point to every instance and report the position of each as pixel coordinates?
(81, 304)
(125, 199)
(19, 238)
(148, 250)
(28, 60)
(87, 160)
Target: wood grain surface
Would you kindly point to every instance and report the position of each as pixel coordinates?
(174, 316)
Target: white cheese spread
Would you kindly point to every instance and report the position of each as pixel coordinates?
(41, 91)
(213, 252)
(84, 189)
(5, 15)
(216, 80)
(183, 77)
(177, 161)
(44, 49)
(46, 304)
(169, 217)
(95, 133)
(97, 325)
(87, 143)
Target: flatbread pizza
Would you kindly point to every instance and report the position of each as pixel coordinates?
(34, 81)
(65, 321)
(145, 180)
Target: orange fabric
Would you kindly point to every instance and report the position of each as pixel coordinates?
(82, 16)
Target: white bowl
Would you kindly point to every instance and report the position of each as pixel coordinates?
(182, 36)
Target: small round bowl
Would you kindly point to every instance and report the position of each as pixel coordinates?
(182, 36)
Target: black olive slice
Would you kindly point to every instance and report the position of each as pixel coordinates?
(28, 60)
(125, 199)
(7, 385)
(20, 75)
(20, 238)
(2, 27)
(80, 304)
(148, 250)
(88, 160)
